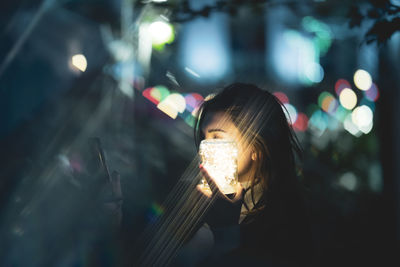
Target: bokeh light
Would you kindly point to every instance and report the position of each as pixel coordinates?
(172, 105)
(348, 98)
(372, 93)
(350, 126)
(189, 118)
(156, 94)
(323, 34)
(282, 97)
(193, 101)
(340, 85)
(301, 123)
(362, 79)
(79, 61)
(205, 50)
(341, 113)
(122, 51)
(367, 128)
(327, 102)
(314, 72)
(348, 180)
(362, 117)
(333, 124)
(318, 122)
(161, 33)
(295, 58)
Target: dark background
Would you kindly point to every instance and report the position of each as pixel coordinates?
(48, 109)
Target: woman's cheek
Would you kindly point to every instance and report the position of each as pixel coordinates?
(244, 163)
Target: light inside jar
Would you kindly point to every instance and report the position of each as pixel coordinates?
(219, 158)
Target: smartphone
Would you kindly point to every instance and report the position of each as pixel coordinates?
(219, 158)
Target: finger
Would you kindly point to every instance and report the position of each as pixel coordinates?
(213, 185)
(215, 188)
(205, 191)
(116, 185)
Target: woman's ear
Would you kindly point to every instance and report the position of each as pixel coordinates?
(253, 156)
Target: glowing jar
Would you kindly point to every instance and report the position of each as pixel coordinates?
(219, 158)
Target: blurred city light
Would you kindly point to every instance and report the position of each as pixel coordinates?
(367, 128)
(161, 33)
(348, 180)
(318, 122)
(340, 85)
(282, 97)
(348, 98)
(333, 123)
(188, 118)
(323, 34)
(156, 94)
(291, 113)
(327, 102)
(372, 93)
(362, 117)
(79, 61)
(296, 59)
(350, 126)
(314, 72)
(144, 49)
(341, 113)
(193, 101)
(122, 51)
(301, 123)
(172, 105)
(362, 79)
(205, 49)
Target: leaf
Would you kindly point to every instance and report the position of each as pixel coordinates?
(355, 17)
(382, 30)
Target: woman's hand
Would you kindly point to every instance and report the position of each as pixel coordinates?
(224, 211)
(215, 190)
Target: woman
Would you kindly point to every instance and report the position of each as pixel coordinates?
(265, 222)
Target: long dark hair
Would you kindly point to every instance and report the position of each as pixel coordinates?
(260, 117)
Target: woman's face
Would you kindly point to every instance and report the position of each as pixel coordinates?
(218, 125)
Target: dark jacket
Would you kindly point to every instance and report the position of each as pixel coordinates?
(278, 235)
